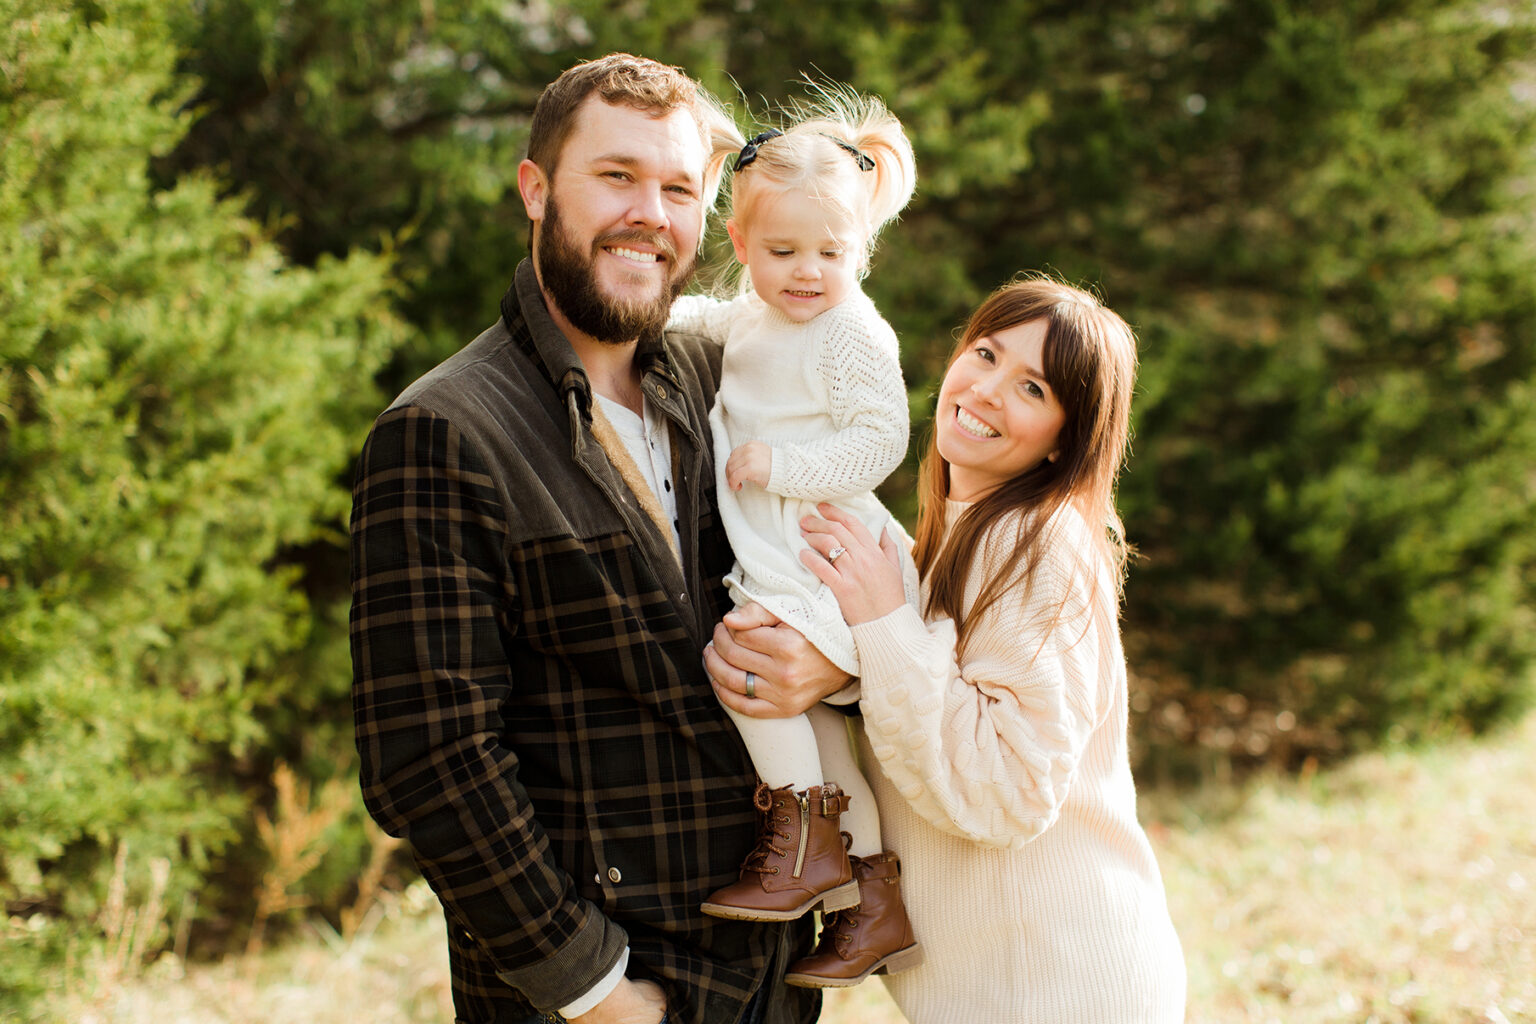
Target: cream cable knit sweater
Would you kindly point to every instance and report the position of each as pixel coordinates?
(1004, 784)
(827, 396)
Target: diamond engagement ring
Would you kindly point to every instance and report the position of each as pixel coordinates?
(751, 686)
(836, 553)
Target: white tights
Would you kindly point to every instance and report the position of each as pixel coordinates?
(808, 750)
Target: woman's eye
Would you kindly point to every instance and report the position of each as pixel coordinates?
(1033, 390)
(985, 353)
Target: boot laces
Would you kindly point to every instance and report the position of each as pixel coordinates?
(757, 860)
(839, 926)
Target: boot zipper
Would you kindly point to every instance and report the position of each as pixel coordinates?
(805, 833)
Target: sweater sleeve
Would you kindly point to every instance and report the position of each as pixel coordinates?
(703, 314)
(986, 749)
(858, 357)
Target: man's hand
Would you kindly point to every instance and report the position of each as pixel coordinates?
(632, 1002)
(749, 463)
(789, 675)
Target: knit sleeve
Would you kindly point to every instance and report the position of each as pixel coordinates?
(986, 749)
(858, 358)
(703, 314)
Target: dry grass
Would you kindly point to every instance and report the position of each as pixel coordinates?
(1399, 888)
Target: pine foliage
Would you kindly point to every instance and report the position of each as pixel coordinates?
(178, 404)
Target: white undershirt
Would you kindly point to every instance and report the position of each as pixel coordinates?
(650, 446)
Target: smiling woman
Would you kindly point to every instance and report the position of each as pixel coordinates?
(997, 414)
(996, 719)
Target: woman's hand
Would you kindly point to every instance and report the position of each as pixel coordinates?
(864, 576)
(764, 669)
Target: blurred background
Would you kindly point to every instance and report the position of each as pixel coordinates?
(231, 230)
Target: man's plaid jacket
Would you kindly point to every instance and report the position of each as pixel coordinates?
(528, 689)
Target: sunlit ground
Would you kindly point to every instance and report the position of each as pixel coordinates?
(1399, 888)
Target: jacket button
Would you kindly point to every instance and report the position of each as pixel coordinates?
(597, 878)
(683, 598)
(615, 876)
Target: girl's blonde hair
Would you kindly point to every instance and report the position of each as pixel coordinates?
(821, 152)
(1090, 363)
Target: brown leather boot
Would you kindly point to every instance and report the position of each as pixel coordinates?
(799, 861)
(873, 937)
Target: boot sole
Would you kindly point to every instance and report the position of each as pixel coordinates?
(893, 963)
(840, 898)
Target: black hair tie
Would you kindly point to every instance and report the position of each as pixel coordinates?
(749, 151)
(865, 162)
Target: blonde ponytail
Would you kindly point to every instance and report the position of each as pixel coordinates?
(837, 142)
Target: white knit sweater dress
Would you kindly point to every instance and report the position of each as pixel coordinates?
(827, 396)
(1004, 785)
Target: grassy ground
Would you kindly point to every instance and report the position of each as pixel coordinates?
(1399, 888)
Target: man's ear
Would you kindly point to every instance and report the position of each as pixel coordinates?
(533, 186)
(738, 241)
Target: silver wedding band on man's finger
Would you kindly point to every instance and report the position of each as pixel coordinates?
(836, 553)
(751, 686)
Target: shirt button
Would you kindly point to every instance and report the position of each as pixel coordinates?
(597, 878)
(615, 876)
(683, 598)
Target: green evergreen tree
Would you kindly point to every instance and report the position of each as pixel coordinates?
(178, 405)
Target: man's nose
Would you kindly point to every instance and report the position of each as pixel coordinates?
(648, 209)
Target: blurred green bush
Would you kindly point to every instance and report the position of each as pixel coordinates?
(178, 406)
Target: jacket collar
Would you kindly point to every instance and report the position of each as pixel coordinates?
(525, 301)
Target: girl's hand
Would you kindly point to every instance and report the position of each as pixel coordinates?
(750, 462)
(864, 576)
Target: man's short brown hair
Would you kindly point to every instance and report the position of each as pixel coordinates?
(623, 79)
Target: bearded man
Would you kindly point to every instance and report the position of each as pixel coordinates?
(536, 571)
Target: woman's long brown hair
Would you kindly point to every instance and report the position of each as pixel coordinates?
(1090, 364)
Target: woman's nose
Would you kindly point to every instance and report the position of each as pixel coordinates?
(985, 388)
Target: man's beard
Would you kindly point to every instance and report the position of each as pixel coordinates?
(569, 278)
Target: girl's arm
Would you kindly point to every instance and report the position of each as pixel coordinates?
(859, 359)
(986, 749)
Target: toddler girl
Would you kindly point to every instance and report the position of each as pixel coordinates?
(811, 408)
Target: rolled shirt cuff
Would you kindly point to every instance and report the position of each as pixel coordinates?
(597, 993)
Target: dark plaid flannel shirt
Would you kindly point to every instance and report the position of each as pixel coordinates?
(530, 702)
